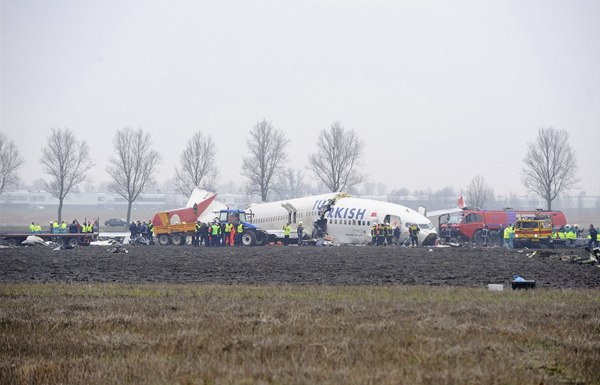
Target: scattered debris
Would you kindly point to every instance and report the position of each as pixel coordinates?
(117, 249)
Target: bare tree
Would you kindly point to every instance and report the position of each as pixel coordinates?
(478, 192)
(338, 158)
(10, 161)
(550, 164)
(290, 184)
(132, 167)
(267, 152)
(67, 161)
(197, 165)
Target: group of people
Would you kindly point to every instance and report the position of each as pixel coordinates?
(568, 233)
(287, 230)
(62, 228)
(217, 234)
(386, 235)
(142, 229)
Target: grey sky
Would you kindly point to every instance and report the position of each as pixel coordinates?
(439, 90)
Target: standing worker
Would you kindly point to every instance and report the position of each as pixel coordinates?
(506, 237)
(196, 236)
(374, 235)
(238, 233)
(300, 231)
(287, 230)
(484, 235)
(397, 235)
(593, 237)
(227, 231)
(414, 234)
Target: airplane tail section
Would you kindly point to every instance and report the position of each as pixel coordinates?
(461, 201)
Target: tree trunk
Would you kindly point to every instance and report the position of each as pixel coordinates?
(129, 204)
(60, 206)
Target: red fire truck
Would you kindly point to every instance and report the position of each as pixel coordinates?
(468, 224)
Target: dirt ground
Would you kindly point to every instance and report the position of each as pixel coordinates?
(344, 265)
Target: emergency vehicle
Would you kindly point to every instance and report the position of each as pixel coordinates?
(468, 224)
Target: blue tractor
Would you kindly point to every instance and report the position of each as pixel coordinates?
(252, 235)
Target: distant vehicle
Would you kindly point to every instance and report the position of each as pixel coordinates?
(469, 223)
(115, 222)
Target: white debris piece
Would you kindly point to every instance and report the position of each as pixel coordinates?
(33, 240)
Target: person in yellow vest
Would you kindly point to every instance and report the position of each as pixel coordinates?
(374, 235)
(571, 236)
(55, 227)
(196, 236)
(228, 228)
(63, 227)
(238, 233)
(151, 232)
(214, 234)
(32, 228)
(506, 237)
(511, 237)
(90, 227)
(38, 228)
(287, 230)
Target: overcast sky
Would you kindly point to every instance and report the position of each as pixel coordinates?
(439, 90)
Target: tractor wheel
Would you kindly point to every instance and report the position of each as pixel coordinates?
(477, 238)
(177, 239)
(72, 242)
(163, 239)
(248, 238)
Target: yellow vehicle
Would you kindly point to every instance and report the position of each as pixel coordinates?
(533, 232)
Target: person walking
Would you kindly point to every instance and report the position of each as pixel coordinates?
(300, 231)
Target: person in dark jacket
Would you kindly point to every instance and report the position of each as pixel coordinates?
(593, 237)
(133, 229)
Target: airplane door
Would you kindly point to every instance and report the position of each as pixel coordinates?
(393, 220)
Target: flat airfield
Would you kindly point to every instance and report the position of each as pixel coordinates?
(344, 265)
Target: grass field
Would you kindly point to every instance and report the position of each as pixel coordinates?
(204, 334)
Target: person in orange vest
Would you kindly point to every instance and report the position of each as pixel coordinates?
(232, 236)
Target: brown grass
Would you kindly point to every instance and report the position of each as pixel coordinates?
(189, 334)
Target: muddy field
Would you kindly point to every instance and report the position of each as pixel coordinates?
(294, 265)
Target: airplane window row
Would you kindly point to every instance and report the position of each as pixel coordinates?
(352, 222)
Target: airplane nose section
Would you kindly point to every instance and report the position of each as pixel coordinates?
(430, 239)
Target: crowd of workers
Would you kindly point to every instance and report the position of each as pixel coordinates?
(63, 228)
(386, 235)
(143, 230)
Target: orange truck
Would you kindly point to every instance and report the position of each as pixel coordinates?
(174, 226)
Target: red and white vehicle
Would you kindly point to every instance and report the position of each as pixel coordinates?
(468, 224)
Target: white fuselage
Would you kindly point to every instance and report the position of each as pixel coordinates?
(349, 221)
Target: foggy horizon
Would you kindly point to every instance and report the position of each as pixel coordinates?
(438, 91)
